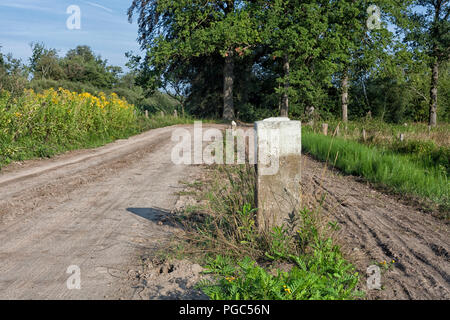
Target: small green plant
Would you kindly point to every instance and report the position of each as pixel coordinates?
(386, 265)
(334, 225)
(246, 222)
(281, 243)
(324, 275)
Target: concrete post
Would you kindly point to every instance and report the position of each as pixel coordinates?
(162, 114)
(175, 113)
(278, 143)
(146, 114)
(364, 135)
(325, 128)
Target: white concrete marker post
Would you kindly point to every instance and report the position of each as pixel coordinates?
(325, 128)
(278, 143)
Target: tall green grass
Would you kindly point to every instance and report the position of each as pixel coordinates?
(399, 172)
(37, 125)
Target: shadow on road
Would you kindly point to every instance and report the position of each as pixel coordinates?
(156, 215)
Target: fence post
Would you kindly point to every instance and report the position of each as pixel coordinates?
(325, 128)
(278, 143)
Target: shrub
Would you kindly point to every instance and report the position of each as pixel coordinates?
(42, 124)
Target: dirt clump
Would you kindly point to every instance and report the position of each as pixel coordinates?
(168, 280)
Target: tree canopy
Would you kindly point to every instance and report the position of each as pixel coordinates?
(302, 58)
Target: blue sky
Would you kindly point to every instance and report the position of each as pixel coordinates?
(104, 27)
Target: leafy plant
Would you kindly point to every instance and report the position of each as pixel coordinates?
(323, 275)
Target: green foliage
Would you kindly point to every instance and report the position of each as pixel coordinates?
(13, 75)
(425, 152)
(428, 148)
(157, 121)
(322, 275)
(234, 213)
(80, 70)
(402, 173)
(321, 40)
(44, 124)
(428, 30)
(48, 123)
(175, 33)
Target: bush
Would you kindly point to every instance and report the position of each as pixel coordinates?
(42, 124)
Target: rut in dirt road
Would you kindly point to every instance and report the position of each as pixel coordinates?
(95, 209)
(378, 227)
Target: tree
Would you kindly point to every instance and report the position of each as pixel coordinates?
(82, 65)
(13, 74)
(181, 30)
(45, 63)
(295, 33)
(428, 31)
(362, 41)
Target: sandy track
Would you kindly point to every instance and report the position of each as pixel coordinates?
(98, 209)
(102, 209)
(378, 227)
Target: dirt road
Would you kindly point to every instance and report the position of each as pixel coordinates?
(95, 209)
(377, 227)
(102, 209)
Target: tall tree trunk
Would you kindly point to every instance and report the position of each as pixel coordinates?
(344, 96)
(228, 80)
(434, 94)
(284, 112)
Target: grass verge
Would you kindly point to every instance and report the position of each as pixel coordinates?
(399, 172)
(38, 125)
